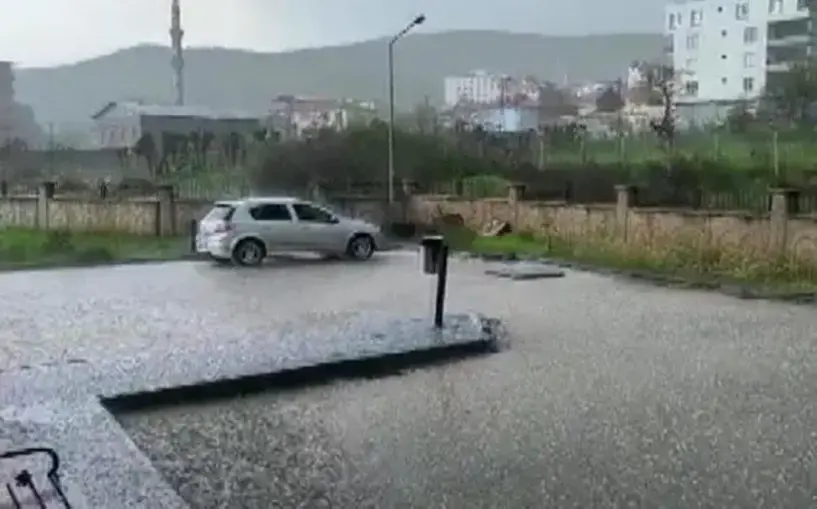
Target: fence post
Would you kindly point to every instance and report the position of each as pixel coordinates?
(409, 188)
(165, 209)
(516, 191)
(625, 199)
(4, 189)
(45, 193)
(316, 193)
(783, 205)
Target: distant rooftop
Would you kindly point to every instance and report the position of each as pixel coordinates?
(161, 110)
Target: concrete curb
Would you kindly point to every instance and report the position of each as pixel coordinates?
(393, 364)
(88, 265)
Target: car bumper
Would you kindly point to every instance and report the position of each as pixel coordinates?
(219, 247)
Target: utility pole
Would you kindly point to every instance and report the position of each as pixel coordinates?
(419, 20)
(51, 149)
(176, 36)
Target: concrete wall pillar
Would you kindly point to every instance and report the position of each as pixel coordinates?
(516, 192)
(625, 199)
(166, 224)
(783, 205)
(45, 193)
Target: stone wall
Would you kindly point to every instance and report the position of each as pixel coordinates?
(778, 232)
(163, 215)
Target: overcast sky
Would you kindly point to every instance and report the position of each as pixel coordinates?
(48, 32)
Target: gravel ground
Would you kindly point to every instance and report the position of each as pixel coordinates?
(613, 395)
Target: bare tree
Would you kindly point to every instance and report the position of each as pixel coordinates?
(662, 81)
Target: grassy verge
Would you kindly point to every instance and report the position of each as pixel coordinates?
(36, 248)
(685, 261)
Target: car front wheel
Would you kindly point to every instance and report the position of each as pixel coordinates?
(361, 247)
(249, 253)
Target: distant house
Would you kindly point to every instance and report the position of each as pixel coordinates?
(292, 115)
(511, 119)
(122, 124)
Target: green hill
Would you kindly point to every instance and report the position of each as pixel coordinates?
(228, 78)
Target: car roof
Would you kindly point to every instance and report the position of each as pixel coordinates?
(260, 199)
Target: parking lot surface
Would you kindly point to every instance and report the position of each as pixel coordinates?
(613, 394)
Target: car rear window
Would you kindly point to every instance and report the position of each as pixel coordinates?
(271, 212)
(221, 212)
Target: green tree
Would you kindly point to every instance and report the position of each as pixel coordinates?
(610, 100)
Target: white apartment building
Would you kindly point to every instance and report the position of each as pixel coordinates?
(730, 50)
(478, 87)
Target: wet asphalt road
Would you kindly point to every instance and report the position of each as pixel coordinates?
(613, 394)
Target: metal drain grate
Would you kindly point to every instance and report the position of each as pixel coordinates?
(22, 491)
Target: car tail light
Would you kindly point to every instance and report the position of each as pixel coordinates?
(223, 227)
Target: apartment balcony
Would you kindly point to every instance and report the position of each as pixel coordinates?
(778, 67)
(801, 13)
(789, 40)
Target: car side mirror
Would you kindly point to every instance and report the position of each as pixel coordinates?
(334, 220)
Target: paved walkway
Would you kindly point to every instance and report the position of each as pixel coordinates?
(613, 395)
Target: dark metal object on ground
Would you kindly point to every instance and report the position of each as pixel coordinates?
(22, 490)
(435, 261)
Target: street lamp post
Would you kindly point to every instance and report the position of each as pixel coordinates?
(416, 21)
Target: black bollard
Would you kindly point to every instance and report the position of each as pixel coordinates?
(435, 261)
(194, 230)
(442, 281)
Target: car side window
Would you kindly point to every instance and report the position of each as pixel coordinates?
(271, 212)
(310, 214)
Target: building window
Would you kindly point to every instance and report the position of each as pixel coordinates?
(692, 41)
(775, 6)
(750, 35)
(672, 25)
(690, 64)
(802, 5)
(748, 85)
(723, 33)
(691, 88)
(696, 18)
(742, 11)
(723, 81)
(748, 60)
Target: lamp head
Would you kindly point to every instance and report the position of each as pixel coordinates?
(419, 20)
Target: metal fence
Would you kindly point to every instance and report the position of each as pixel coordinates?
(658, 187)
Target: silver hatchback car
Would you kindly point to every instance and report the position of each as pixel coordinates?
(248, 230)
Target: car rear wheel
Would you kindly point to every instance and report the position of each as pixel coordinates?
(361, 247)
(249, 253)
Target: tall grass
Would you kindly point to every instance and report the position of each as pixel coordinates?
(689, 257)
(28, 247)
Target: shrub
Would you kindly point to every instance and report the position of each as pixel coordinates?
(58, 242)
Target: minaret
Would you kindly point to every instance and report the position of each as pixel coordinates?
(176, 35)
